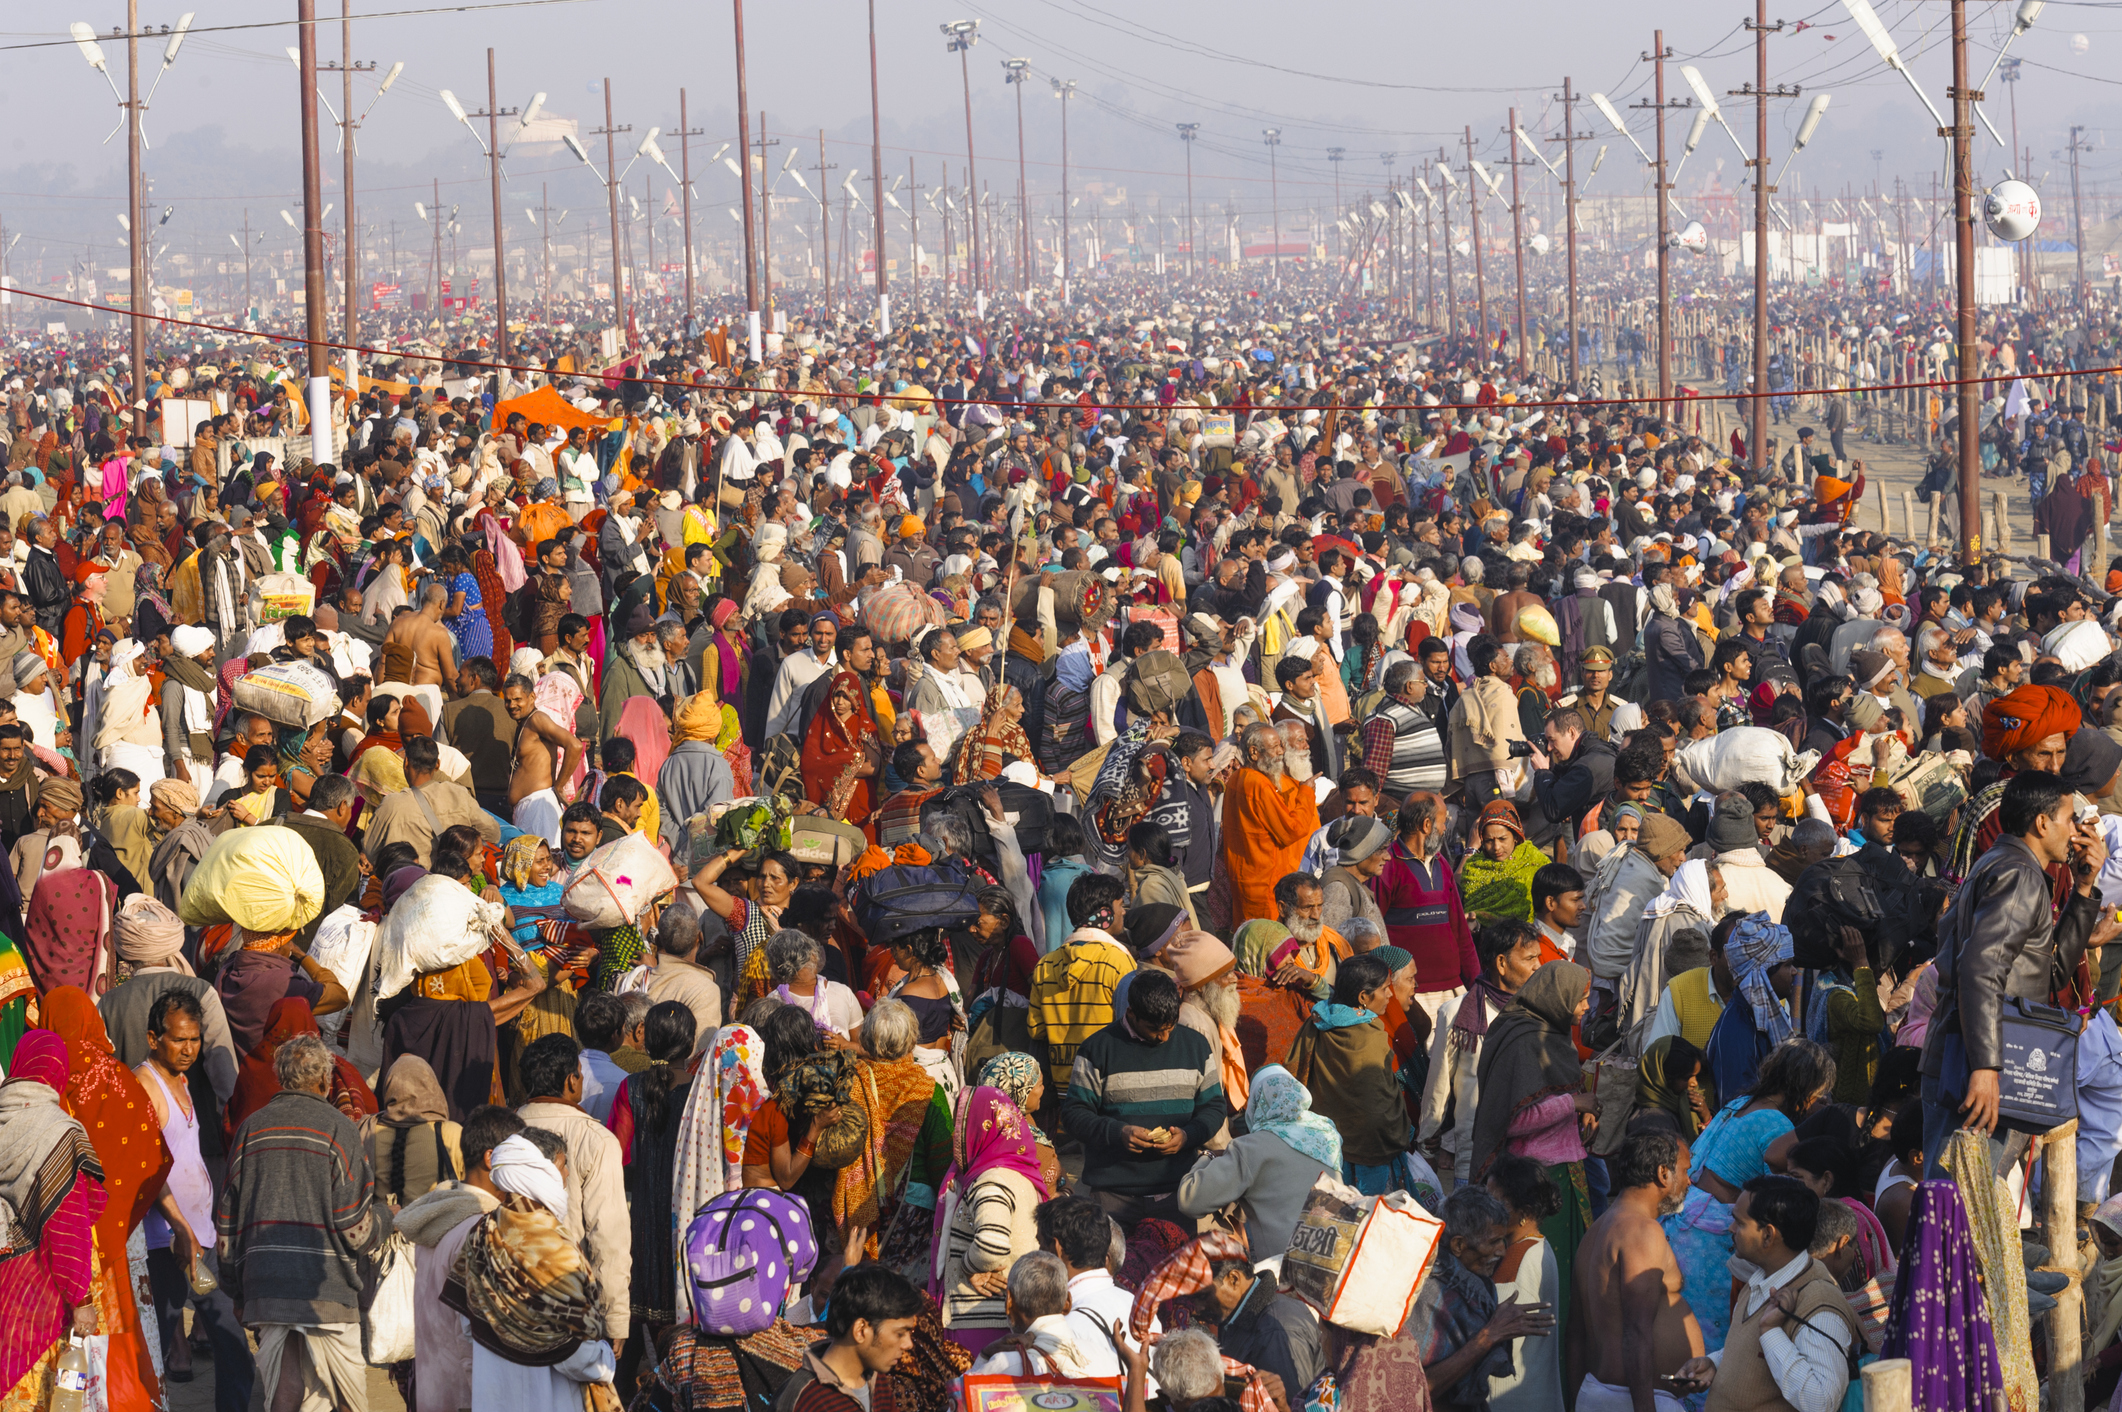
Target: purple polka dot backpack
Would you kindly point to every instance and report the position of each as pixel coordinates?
(742, 1252)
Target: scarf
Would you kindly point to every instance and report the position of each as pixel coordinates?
(47, 1149)
(412, 1094)
(1188, 1270)
(1528, 1055)
(1689, 888)
(1654, 1085)
(1282, 1106)
(1757, 946)
(985, 749)
(1940, 1321)
(699, 717)
(1472, 1021)
(149, 934)
(517, 857)
(1500, 889)
(988, 1134)
(66, 939)
(527, 1289)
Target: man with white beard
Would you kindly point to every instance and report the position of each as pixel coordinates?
(1207, 973)
(635, 667)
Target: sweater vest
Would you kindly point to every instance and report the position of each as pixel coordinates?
(1418, 752)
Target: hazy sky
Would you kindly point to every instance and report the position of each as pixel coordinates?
(1368, 78)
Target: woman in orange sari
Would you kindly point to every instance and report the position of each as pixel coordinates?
(997, 741)
(842, 754)
(109, 1102)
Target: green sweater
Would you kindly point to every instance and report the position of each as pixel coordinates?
(1120, 1081)
(1855, 1020)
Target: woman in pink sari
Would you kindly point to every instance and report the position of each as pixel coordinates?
(994, 1170)
(114, 487)
(643, 722)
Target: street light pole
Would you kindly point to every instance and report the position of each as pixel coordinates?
(1334, 155)
(1187, 133)
(876, 169)
(611, 197)
(686, 134)
(744, 162)
(136, 209)
(1016, 72)
(313, 290)
(494, 113)
(963, 35)
(1473, 201)
(1273, 137)
(1963, 149)
(1062, 89)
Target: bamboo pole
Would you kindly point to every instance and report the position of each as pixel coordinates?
(1889, 1385)
(2059, 1200)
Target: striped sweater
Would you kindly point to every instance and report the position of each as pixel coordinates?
(1119, 1081)
(297, 1214)
(1072, 995)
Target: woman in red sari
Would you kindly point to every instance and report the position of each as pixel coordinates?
(494, 596)
(121, 1126)
(842, 743)
(49, 1177)
(257, 1080)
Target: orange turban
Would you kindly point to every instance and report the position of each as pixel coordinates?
(1828, 489)
(2025, 717)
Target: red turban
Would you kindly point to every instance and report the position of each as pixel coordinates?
(2025, 717)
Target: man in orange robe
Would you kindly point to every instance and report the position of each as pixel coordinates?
(1267, 818)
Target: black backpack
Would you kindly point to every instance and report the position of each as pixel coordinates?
(1032, 809)
(1833, 893)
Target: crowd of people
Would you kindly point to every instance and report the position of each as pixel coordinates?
(1204, 766)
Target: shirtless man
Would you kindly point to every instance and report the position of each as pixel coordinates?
(536, 804)
(1629, 1329)
(418, 648)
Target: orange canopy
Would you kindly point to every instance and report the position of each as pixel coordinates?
(548, 408)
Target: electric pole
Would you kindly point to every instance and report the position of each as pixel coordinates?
(962, 36)
(876, 168)
(825, 221)
(1187, 133)
(348, 124)
(494, 114)
(1016, 73)
(611, 194)
(1334, 155)
(1473, 201)
(1063, 89)
(1273, 138)
(1569, 139)
(1760, 92)
(1658, 104)
(2077, 215)
(1963, 150)
(766, 211)
(686, 134)
(313, 290)
(1451, 292)
(1517, 232)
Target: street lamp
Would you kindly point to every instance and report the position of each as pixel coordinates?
(960, 36)
(1017, 72)
(1063, 90)
(1188, 132)
(1273, 137)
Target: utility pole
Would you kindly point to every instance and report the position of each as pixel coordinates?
(686, 134)
(246, 264)
(1394, 283)
(1273, 137)
(1760, 92)
(1335, 155)
(313, 290)
(1451, 291)
(963, 35)
(494, 114)
(766, 210)
(1517, 232)
(136, 208)
(1063, 89)
(744, 162)
(1187, 133)
(1473, 201)
(1569, 139)
(1656, 58)
(1016, 73)
(545, 228)
(1429, 249)
(825, 222)
(1963, 148)
(2077, 215)
(876, 168)
(434, 261)
(611, 194)
(346, 68)
(913, 225)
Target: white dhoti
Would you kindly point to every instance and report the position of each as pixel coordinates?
(1595, 1396)
(540, 814)
(143, 760)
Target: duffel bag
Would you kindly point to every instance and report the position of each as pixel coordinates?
(898, 901)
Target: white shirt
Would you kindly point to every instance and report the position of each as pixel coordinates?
(798, 671)
(1811, 1369)
(1096, 1305)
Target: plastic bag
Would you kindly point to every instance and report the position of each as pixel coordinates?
(387, 1322)
(437, 924)
(615, 884)
(1358, 1260)
(342, 945)
(282, 596)
(289, 694)
(262, 879)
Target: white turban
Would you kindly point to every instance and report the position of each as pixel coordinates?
(190, 641)
(517, 1165)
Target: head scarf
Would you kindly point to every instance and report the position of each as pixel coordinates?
(992, 743)
(66, 939)
(179, 795)
(1282, 1106)
(1528, 1055)
(149, 934)
(1688, 887)
(1500, 811)
(526, 1289)
(519, 1167)
(641, 721)
(1196, 958)
(258, 1078)
(988, 1134)
(412, 1094)
(1655, 1086)
(699, 717)
(47, 1150)
(400, 882)
(517, 856)
(2024, 717)
(1757, 946)
(1016, 1075)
